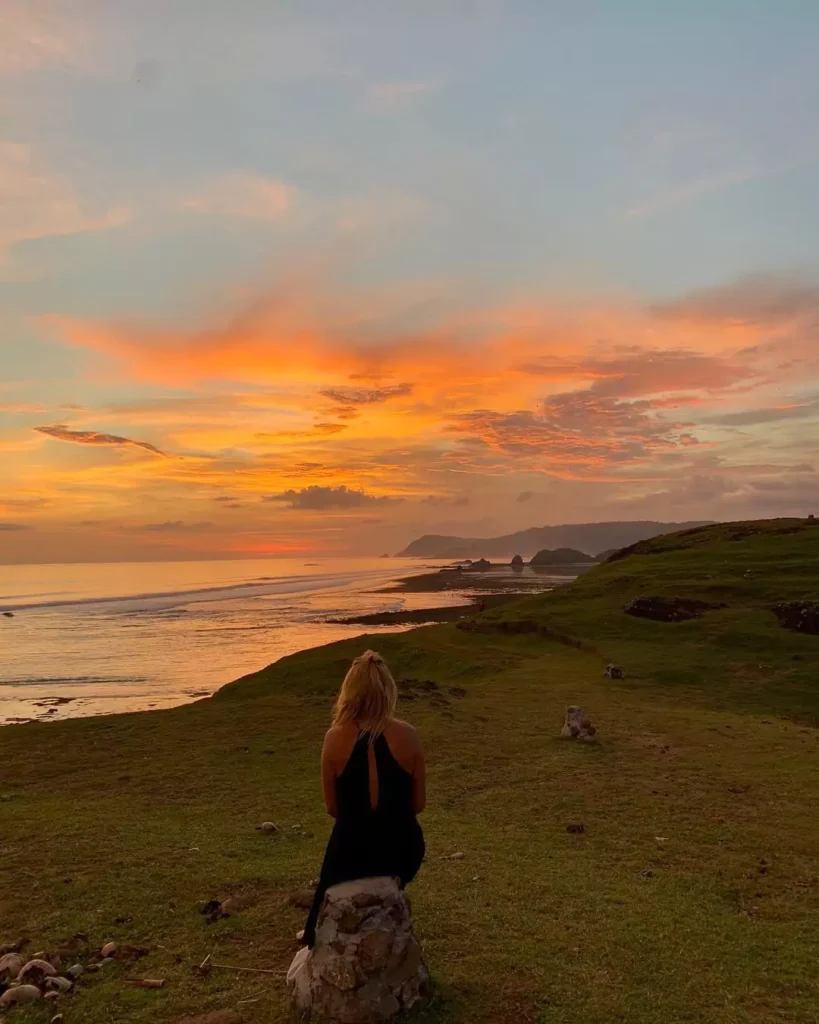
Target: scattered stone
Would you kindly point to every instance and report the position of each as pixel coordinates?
(669, 609)
(229, 907)
(93, 968)
(801, 616)
(75, 971)
(268, 827)
(10, 965)
(576, 726)
(576, 828)
(303, 899)
(146, 982)
(454, 856)
(20, 995)
(108, 950)
(58, 1019)
(13, 947)
(35, 970)
(366, 964)
(613, 671)
(58, 984)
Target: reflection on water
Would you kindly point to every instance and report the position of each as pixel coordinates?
(91, 639)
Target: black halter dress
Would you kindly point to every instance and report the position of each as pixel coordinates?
(367, 841)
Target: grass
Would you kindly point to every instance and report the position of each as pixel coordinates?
(692, 895)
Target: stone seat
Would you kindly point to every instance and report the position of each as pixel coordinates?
(366, 964)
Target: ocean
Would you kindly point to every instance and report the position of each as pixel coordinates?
(101, 638)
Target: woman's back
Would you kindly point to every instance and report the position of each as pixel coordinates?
(373, 777)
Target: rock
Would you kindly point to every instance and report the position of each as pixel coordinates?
(8, 615)
(10, 965)
(35, 970)
(75, 971)
(613, 671)
(58, 984)
(58, 1019)
(517, 562)
(19, 995)
(303, 899)
(13, 947)
(229, 907)
(576, 828)
(801, 616)
(576, 725)
(267, 826)
(455, 856)
(367, 964)
(52, 995)
(480, 566)
(669, 609)
(108, 950)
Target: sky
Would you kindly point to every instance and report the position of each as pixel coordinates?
(320, 277)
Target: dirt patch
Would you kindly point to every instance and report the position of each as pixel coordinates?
(669, 609)
(800, 616)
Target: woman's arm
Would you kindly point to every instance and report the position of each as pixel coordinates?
(419, 779)
(328, 776)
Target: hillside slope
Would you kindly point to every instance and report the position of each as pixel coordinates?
(588, 537)
(691, 895)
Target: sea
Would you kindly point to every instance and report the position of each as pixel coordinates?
(90, 639)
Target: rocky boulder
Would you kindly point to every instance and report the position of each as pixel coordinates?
(576, 725)
(669, 609)
(517, 562)
(800, 616)
(366, 964)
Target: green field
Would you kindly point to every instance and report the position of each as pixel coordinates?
(692, 895)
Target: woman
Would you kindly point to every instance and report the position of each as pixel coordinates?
(373, 778)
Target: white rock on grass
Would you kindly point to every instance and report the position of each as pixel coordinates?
(576, 726)
(108, 949)
(20, 995)
(10, 965)
(35, 970)
(367, 964)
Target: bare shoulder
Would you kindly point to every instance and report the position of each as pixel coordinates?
(405, 733)
(338, 736)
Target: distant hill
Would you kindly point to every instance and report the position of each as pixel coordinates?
(560, 556)
(591, 538)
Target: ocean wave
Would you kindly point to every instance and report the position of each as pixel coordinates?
(70, 680)
(165, 599)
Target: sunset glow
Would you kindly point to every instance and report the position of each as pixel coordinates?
(274, 280)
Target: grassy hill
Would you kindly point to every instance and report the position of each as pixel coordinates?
(692, 894)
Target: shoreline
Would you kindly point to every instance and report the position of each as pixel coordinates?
(459, 590)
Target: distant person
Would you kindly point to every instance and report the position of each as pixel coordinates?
(373, 778)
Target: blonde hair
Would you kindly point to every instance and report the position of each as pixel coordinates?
(368, 695)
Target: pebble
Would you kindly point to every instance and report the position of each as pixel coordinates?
(36, 968)
(229, 906)
(58, 984)
(75, 971)
(19, 995)
(10, 965)
(455, 856)
(59, 1019)
(108, 949)
(267, 826)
